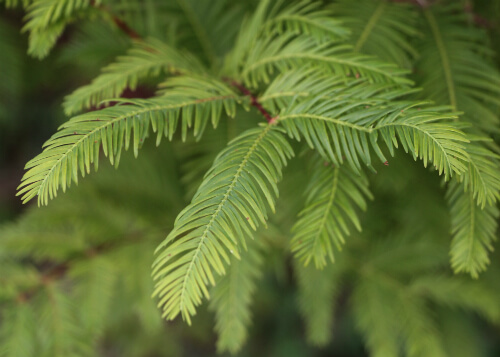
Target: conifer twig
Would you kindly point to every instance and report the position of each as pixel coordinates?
(253, 99)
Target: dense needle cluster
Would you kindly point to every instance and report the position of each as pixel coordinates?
(339, 88)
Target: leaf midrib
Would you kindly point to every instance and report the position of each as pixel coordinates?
(369, 26)
(318, 58)
(217, 211)
(445, 61)
(331, 199)
(111, 122)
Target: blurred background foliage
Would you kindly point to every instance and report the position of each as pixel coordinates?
(78, 271)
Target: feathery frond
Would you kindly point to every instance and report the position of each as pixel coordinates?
(454, 66)
(151, 58)
(208, 28)
(288, 52)
(18, 330)
(232, 298)
(94, 290)
(373, 307)
(46, 20)
(232, 200)
(271, 21)
(306, 67)
(77, 144)
(333, 194)
(346, 126)
(459, 293)
(482, 178)
(473, 228)
(473, 210)
(58, 323)
(381, 28)
(317, 292)
(305, 17)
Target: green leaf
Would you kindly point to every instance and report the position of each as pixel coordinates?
(455, 66)
(381, 28)
(344, 126)
(46, 20)
(287, 52)
(482, 178)
(459, 293)
(333, 194)
(317, 293)
(60, 331)
(78, 142)
(232, 200)
(150, 58)
(232, 298)
(18, 332)
(306, 17)
(473, 228)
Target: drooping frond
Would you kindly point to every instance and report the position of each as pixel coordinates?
(46, 20)
(333, 195)
(345, 127)
(317, 292)
(232, 298)
(18, 331)
(473, 228)
(373, 307)
(482, 178)
(296, 85)
(208, 28)
(287, 52)
(232, 200)
(270, 21)
(392, 316)
(459, 293)
(151, 58)
(94, 290)
(305, 17)
(249, 31)
(473, 210)
(62, 333)
(91, 47)
(77, 144)
(455, 66)
(381, 28)
(420, 329)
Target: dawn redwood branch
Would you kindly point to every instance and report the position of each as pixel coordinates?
(253, 99)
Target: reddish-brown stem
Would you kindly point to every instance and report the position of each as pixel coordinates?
(122, 25)
(253, 99)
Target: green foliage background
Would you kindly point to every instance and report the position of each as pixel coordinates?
(364, 252)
